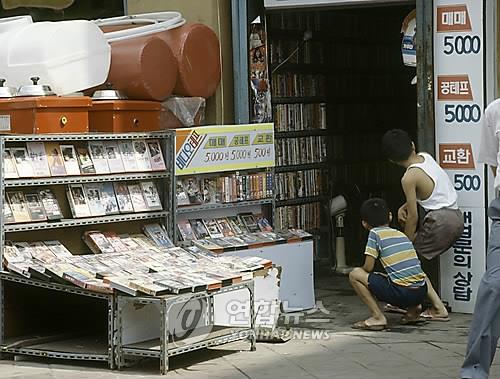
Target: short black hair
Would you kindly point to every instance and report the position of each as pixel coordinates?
(375, 212)
(397, 145)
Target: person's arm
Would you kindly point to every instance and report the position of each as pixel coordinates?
(369, 263)
(402, 214)
(371, 252)
(409, 188)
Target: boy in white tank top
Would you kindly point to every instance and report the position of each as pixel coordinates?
(425, 184)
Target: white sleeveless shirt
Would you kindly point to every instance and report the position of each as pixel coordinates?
(444, 194)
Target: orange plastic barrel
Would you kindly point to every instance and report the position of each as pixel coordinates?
(197, 50)
(143, 68)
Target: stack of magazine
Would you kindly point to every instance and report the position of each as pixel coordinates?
(99, 199)
(137, 264)
(224, 188)
(39, 159)
(243, 231)
(31, 206)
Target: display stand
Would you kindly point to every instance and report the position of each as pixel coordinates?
(296, 290)
(48, 319)
(150, 327)
(62, 344)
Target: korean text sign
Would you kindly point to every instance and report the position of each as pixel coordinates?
(459, 104)
(219, 148)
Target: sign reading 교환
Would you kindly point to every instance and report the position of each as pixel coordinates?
(223, 148)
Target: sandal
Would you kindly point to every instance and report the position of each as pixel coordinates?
(362, 325)
(389, 308)
(415, 322)
(428, 316)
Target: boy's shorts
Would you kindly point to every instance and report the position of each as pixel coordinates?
(438, 232)
(385, 290)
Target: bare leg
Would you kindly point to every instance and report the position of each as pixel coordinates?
(438, 308)
(359, 280)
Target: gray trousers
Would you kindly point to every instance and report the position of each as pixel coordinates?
(484, 330)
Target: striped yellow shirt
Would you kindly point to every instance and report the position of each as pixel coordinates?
(397, 255)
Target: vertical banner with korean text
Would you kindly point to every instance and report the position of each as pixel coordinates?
(458, 83)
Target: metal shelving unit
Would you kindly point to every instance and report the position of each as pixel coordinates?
(83, 137)
(9, 183)
(78, 347)
(301, 133)
(68, 223)
(165, 345)
(302, 167)
(74, 348)
(223, 209)
(300, 200)
(208, 207)
(298, 100)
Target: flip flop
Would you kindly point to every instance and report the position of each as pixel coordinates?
(362, 325)
(415, 322)
(389, 308)
(428, 316)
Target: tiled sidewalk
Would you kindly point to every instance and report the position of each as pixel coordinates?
(431, 351)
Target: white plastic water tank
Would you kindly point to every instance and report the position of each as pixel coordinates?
(10, 23)
(69, 56)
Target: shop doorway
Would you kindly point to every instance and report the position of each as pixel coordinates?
(349, 64)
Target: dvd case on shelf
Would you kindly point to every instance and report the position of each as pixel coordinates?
(155, 152)
(95, 200)
(98, 156)
(35, 207)
(9, 164)
(23, 162)
(50, 204)
(70, 159)
(55, 160)
(78, 201)
(123, 198)
(19, 206)
(38, 158)
(142, 157)
(151, 196)
(85, 161)
(114, 157)
(137, 198)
